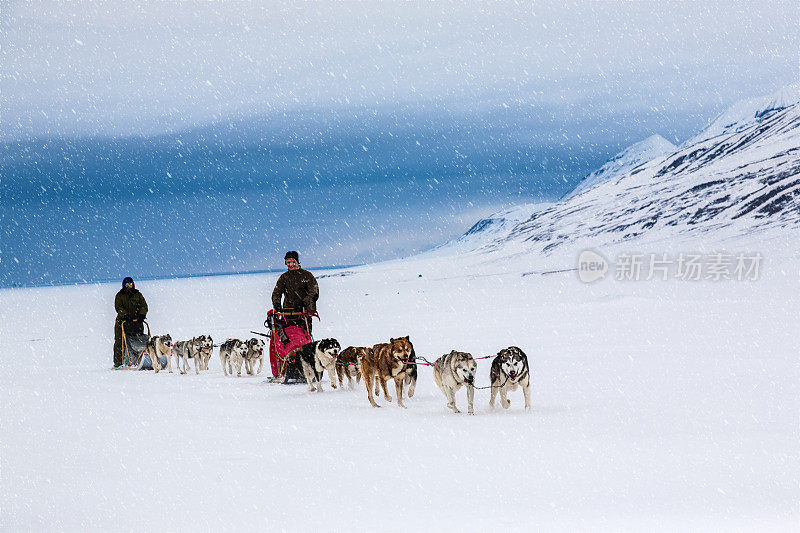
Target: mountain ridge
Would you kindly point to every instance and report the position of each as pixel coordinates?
(741, 173)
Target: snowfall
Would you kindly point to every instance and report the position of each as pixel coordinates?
(656, 405)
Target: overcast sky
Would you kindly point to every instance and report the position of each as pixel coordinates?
(124, 68)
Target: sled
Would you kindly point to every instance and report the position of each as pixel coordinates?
(135, 356)
(296, 326)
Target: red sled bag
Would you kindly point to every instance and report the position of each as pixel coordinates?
(280, 353)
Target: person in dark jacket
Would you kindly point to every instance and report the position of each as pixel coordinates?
(131, 311)
(297, 289)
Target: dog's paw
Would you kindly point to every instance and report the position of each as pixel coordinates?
(471, 412)
(506, 404)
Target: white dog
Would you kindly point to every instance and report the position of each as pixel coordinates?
(159, 346)
(205, 345)
(231, 354)
(451, 372)
(255, 352)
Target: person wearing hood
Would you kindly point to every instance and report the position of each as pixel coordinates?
(131, 311)
(296, 289)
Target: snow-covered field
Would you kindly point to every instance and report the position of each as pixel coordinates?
(656, 406)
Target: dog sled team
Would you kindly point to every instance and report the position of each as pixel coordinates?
(294, 355)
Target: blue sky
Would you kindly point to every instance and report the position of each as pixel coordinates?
(241, 120)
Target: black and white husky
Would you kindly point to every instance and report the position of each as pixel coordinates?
(159, 346)
(315, 357)
(509, 371)
(205, 345)
(453, 371)
(231, 355)
(255, 352)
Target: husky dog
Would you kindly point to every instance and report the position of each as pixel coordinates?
(205, 345)
(159, 346)
(451, 372)
(231, 354)
(255, 352)
(410, 380)
(315, 357)
(185, 350)
(509, 371)
(387, 361)
(347, 365)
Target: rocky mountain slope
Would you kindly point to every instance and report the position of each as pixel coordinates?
(741, 174)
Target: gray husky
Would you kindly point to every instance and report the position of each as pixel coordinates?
(451, 372)
(185, 350)
(509, 371)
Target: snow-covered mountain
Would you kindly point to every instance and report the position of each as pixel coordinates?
(630, 158)
(743, 113)
(496, 226)
(740, 175)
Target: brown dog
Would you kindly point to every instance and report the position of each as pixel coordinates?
(387, 361)
(347, 365)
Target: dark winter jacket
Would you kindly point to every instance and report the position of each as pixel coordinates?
(130, 304)
(298, 288)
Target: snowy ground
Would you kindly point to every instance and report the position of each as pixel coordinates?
(657, 406)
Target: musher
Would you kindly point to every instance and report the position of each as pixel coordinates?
(299, 291)
(131, 310)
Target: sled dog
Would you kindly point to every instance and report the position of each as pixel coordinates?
(185, 350)
(205, 345)
(509, 371)
(347, 365)
(315, 357)
(387, 361)
(231, 355)
(255, 352)
(451, 372)
(159, 346)
(410, 380)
